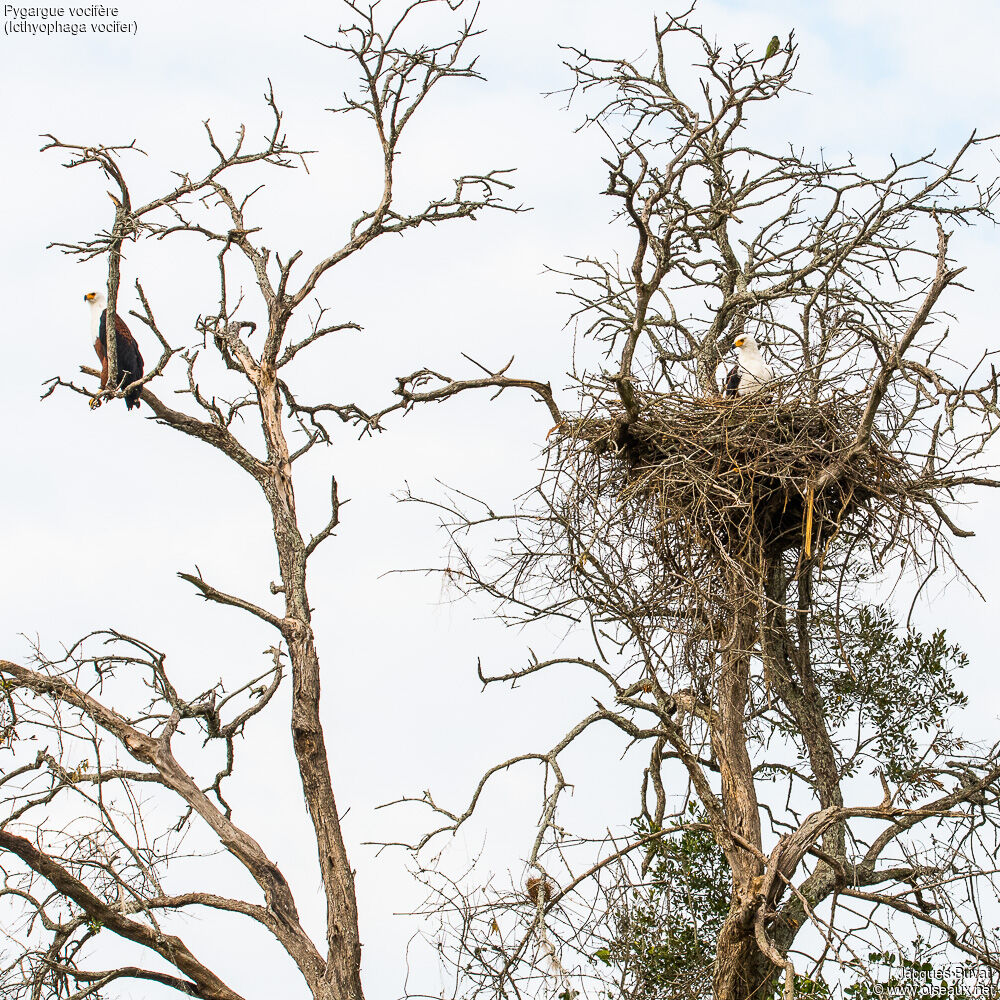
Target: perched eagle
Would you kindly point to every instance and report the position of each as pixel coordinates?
(749, 373)
(129, 358)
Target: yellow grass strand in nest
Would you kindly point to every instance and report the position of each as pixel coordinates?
(810, 497)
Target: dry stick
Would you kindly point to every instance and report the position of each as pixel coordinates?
(122, 205)
(170, 947)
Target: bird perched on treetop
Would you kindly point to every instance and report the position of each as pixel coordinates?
(749, 373)
(129, 358)
(772, 47)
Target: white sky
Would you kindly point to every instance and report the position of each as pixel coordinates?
(402, 704)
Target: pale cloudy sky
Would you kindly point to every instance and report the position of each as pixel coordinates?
(401, 699)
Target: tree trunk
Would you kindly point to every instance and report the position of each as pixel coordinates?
(740, 968)
(343, 973)
(742, 971)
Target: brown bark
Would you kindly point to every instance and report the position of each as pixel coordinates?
(742, 971)
(738, 965)
(343, 972)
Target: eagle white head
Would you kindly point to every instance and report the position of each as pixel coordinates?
(753, 372)
(98, 302)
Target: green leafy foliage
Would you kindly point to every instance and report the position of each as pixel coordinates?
(666, 926)
(666, 931)
(892, 687)
(897, 682)
(804, 987)
(891, 974)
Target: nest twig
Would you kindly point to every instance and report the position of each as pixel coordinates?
(711, 489)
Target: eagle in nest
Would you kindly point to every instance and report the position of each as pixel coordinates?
(749, 373)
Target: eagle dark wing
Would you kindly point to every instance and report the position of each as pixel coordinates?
(732, 387)
(130, 365)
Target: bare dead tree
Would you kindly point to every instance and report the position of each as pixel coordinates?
(90, 824)
(715, 552)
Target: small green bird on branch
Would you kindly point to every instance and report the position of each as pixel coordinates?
(772, 47)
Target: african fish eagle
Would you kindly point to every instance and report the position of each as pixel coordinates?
(749, 373)
(129, 358)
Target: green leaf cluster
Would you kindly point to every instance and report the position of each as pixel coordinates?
(898, 684)
(891, 974)
(665, 930)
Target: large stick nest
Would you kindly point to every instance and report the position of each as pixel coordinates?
(718, 487)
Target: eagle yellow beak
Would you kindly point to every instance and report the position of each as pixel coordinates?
(89, 297)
